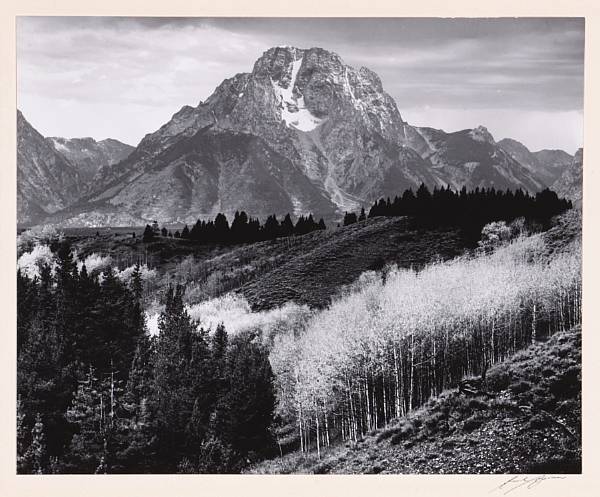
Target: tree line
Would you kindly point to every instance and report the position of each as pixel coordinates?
(243, 229)
(97, 394)
(470, 210)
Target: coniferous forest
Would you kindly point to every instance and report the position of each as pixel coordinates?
(470, 210)
(97, 394)
(243, 229)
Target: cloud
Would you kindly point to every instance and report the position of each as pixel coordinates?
(119, 77)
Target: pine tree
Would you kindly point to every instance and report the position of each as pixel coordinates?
(21, 439)
(102, 433)
(148, 235)
(37, 450)
(87, 411)
(287, 226)
(136, 283)
(250, 401)
(349, 218)
(219, 350)
(183, 382)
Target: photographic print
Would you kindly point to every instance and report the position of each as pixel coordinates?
(299, 245)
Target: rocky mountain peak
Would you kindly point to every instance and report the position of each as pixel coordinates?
(481, 133)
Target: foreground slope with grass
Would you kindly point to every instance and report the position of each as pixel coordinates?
(529, 423)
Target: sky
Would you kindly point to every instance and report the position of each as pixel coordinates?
(111, 77)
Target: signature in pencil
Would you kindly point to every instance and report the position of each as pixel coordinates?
(523, 482)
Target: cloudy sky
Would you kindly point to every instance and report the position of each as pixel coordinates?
(125, 77)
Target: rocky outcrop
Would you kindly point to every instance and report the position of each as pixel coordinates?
(570, 182)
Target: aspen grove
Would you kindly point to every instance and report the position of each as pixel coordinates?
(399, 337)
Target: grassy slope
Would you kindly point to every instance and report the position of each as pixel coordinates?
(308, 269)
(515, 431)
(313, 274)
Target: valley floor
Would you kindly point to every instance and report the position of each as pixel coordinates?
(530, 423)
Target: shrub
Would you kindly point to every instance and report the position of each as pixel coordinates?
(506, 405)
(476, 404)
(537, 421)
(448, 444)
(520, 386)
(432, 422)
(472, 423)
(566, 385)
(498, 379)
(387, 433)
(322, 468)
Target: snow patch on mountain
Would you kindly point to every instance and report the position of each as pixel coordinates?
(59, 146)
(293, 109)
(299, 209)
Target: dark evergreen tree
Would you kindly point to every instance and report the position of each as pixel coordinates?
(36, 453)
(183, 382)
(250, 401)
(148, 235)
(287, 226)
(349, 218)
(221, 229)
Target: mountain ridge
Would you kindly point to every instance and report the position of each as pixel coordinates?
(332, 140)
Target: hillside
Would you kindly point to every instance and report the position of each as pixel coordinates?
(314, 273)
(307, 269)
(530, 423)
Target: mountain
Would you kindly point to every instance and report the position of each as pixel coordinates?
(46, 180)
(547, 165)
(89, 155)
(471, 158)
(555, 161)
(302, 132)
(570, 182)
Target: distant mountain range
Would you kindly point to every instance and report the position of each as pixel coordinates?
(90, 156)
(303, 132)
(53, 173)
